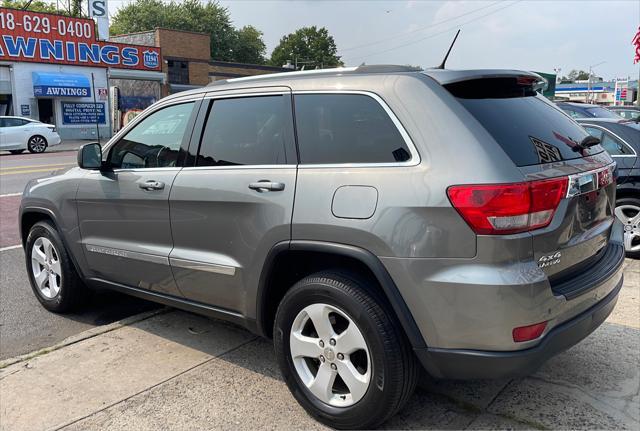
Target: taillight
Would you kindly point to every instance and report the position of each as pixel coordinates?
(498, 209)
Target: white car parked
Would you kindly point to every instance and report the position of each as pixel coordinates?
(18, 134)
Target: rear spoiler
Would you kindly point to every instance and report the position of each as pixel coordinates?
(446, 76)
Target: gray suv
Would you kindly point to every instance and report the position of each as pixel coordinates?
(374, 221)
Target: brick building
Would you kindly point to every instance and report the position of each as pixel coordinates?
(187, 63)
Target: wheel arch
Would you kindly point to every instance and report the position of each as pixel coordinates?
(290, 261)
(29, 216)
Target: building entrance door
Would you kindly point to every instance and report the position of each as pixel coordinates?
(45, 111)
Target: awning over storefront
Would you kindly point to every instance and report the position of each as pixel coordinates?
(143, 75)
(47, 84)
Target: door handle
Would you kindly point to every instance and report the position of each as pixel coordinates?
(266, 186)
(151, 185)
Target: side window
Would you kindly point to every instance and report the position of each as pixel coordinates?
(614, 146)
(13, 122)
(346, 128)
(155, 141)
(247, 131)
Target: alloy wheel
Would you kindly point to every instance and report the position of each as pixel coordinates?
(330, 355)
(37, 144)
(46, 269)
(629, 215)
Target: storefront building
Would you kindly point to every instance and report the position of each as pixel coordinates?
(53, 69)
(187, 60)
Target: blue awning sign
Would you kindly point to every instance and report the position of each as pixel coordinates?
(60, 85)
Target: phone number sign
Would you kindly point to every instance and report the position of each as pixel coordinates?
(83, 113)
(50, 38)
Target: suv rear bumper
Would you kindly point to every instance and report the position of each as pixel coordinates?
(478, 364)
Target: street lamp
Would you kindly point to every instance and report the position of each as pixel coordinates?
(589, 95)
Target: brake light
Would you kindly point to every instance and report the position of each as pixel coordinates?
(528, 333)
(498, 209)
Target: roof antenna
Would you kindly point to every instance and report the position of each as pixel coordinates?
(448, 52)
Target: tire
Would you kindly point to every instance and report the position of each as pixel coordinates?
(16, 151)
(628, 212)
(60, 290)
(37, 144)
(386, 362)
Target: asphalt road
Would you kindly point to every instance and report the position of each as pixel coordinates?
(24, 325)
(17, 170)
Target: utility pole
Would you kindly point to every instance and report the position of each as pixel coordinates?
(589, 86)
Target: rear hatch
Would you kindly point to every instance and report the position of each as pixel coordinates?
(566, 200)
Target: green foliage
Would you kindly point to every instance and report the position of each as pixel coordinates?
(575, 75)
(192, 15)
(36, 6)
(248, 46)
(311, 46)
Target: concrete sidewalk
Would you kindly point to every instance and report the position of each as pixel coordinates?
(175, 370)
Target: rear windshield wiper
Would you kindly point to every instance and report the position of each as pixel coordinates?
(586, 143)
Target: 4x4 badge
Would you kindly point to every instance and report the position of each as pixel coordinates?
(549, 260)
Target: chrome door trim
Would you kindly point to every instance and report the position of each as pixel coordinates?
(202, 266)
(415, 156)
(145, 257)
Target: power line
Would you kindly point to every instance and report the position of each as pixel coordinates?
(419, 29)
(434, 34)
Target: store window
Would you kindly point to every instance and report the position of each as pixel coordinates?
(178, 72)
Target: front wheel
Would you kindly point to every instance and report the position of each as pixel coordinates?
(37, 144)
(53, 277)
(628, 212)
(342, 352)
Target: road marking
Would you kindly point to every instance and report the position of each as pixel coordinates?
(30, 171)
(11, 247)
(10, 194)
(33, 166)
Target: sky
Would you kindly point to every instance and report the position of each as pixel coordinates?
(519, 34)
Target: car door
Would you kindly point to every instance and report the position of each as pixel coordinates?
(3, 128)
(235, 201)
(123, 210)
(14, 133)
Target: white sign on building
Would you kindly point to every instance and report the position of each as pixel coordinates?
(99, 10)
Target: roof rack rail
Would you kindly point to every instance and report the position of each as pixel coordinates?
(290, 74)
(387, 68)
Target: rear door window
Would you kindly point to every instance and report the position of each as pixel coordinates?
(346, 128)
(529, 128)
(247, 131)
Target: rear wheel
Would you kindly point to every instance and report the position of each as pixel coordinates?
(342, 352)
(16, 151)
(628, 212)
(53, 277)
(37, 144)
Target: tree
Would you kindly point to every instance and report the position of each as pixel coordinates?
(248, 46)
(308, 46)
(575, 75)
(35, 6)
(191, 15)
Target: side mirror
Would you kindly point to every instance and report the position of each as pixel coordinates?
(90, 156)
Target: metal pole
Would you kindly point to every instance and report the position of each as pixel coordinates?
(95, 106)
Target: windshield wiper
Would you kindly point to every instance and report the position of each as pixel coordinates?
(586, 143)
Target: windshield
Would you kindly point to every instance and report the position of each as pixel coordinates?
(599, 112)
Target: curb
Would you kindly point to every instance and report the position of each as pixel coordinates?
(85, 335)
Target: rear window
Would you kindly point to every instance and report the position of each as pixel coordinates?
(529, 128)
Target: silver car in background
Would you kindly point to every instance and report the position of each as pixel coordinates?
(374, 221)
